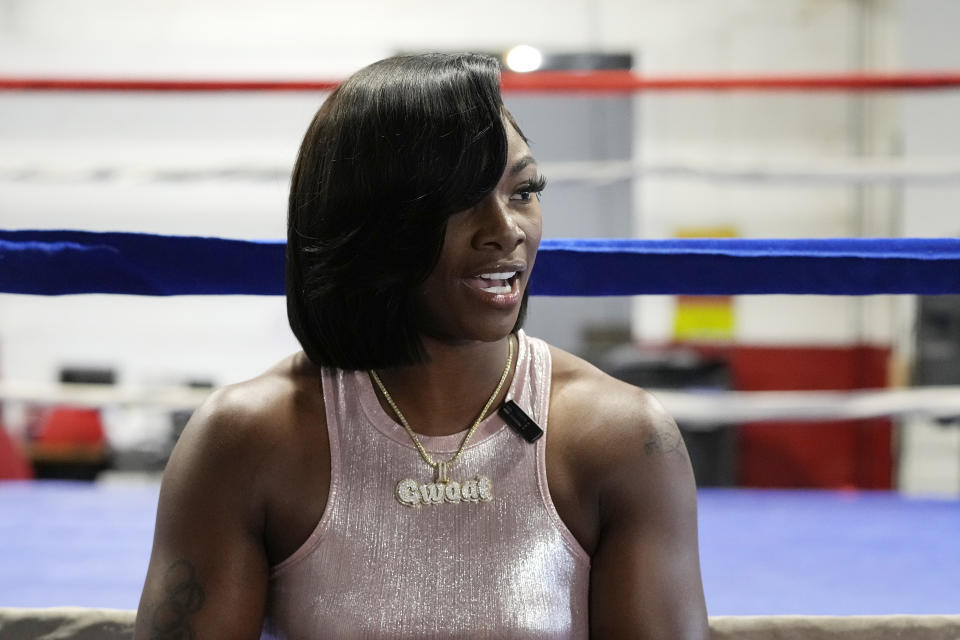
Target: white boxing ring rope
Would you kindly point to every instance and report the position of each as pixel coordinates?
(825, 173)
(695, 410)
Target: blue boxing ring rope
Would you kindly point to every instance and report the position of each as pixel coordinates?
(73, 262)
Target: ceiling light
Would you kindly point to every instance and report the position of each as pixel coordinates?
(523, 58)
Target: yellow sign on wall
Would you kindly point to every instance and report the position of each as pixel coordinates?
(704, 318)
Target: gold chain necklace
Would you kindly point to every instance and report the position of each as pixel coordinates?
(479, 489)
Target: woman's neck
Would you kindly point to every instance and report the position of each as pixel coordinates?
(444, 394)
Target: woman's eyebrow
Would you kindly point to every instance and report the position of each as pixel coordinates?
(522, 164)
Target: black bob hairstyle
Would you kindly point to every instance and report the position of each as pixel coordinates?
(392, 153)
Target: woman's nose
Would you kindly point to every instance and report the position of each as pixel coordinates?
(498, 227)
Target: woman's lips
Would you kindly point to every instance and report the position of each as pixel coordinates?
(495, 291)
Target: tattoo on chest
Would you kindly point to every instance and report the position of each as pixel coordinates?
(183, 596)
(664, 443)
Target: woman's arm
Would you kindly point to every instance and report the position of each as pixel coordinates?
(208, 571)
(645, 572)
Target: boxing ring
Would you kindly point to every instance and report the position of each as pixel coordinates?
(763, 552)
(848, 553)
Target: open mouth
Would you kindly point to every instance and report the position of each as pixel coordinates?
(497, 283)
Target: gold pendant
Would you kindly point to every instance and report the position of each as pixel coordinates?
(410, 493)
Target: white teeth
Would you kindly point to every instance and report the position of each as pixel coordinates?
(504, 289)
(501, 276)
(506, 275)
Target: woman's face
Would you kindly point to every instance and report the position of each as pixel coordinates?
(475, 291)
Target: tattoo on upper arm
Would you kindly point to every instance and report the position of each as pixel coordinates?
(183, 596)
(664, 443)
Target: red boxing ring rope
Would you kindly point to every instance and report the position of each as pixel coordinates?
(541, 81)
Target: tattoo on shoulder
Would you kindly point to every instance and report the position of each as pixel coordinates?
(183, 596)
(664, 443)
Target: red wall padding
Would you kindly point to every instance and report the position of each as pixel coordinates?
(837, 454)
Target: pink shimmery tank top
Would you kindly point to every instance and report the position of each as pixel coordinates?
(376, 568)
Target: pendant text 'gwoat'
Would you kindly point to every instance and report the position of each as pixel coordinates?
(411, 493)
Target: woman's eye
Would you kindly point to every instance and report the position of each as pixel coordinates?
(526, 191)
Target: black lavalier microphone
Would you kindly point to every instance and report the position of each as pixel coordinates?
(523, 424)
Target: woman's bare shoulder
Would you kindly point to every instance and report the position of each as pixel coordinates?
(583, 389)
(292, 380)
(606, 420)
(258, 414)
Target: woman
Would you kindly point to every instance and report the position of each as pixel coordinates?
(368, 486)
